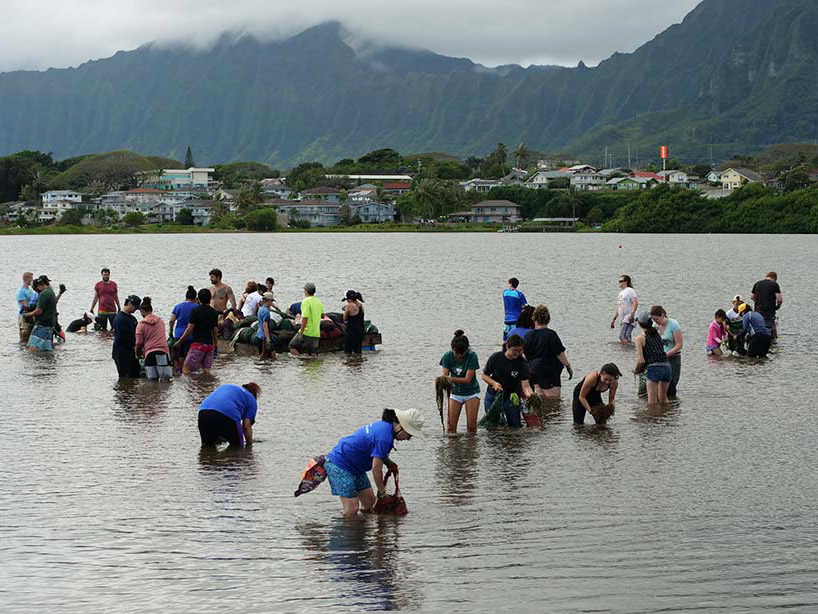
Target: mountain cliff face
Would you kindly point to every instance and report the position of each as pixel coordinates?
(734, 74)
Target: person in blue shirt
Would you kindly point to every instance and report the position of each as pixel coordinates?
(229, 414)
(26, 301)
(754, 329)
(265, 340)
(367, 449)
(513, 303)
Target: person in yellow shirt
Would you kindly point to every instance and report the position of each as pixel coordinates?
(307, 338)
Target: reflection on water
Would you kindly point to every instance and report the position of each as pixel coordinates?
(456, 468)
(362, 559)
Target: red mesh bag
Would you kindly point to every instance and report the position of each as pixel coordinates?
(393, 504)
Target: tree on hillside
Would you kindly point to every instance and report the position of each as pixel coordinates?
(189, 158)
(381, 159)
(264, 219)
(134, 218)
(473, 162)
(72, 217)
(521, 155)
(306, 176)
(250, 196)
(185, 217)
(502, 156)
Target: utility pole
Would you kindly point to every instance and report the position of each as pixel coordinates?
(629, 156)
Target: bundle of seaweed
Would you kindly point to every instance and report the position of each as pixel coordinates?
(601, 413)
(442, 384)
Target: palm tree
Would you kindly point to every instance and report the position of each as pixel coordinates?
(502, 155)
(425, 196)
(521, 154)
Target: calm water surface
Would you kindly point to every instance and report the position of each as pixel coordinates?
(708, 506)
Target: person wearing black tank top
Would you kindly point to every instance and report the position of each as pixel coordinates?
(588, 394)
(354, 318)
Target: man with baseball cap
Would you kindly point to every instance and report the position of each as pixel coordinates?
(45, 316)
(307, 338)
(265, 340)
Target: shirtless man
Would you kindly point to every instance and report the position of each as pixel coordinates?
(221, 292)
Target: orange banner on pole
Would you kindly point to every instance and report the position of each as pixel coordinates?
(663, 152)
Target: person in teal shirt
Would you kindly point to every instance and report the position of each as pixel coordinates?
(672, 341)
(265, 341)
(460, 366)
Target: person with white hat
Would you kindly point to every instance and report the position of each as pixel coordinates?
(367, 449)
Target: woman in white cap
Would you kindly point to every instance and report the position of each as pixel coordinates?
(367, 449)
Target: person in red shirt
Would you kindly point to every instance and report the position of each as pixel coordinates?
(105, 293)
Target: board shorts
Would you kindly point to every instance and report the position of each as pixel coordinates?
(199, 356)
(626, 331)
(41, 337)
(345, 483)
(547, 379)
(659, 372)
(462, 398)
(157, 366)
(303, 344)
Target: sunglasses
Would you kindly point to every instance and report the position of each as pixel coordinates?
(622, 281)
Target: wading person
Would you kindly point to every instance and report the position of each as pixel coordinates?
(124, 348)
(460, 365)
(265, 340)
(652, 360)
(44, 316)
(513, 303)
(672, 341)
(367, 449)
(626, 305)
(354, 319)
(755, 332)
(716, 333)
(26, 302)
(250, 300)
(107, 295)
(220, 292)
(507, 372)
(545, 355)
(228, 415)
(180, 318)
(307, 338)
(767, 296)
(588, 392)
(203, 332)
(152, 344)
(734, 325)
(525, 323)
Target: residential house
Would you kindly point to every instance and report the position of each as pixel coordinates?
(68, 196)
(631, 183)
(673, 177)
(180, 178)
(611, 173)
(647, 175)
(542, 180)
(363, 193)
(714, 177)
(323, 193)
(227, 195)
(589, 181)
(202, 211)
(17, 211)
(278, 191)
(813, 175)
(734, 178)
(397, 187)
(580, 168)
(380, 179)
(517, 176)
(480, 185)
(496, 211)
(316, 212)
(374, 213)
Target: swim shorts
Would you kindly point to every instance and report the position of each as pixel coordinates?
(41, 337)
(199, 356)
(344, 483)
(462, 398)
(304, 345)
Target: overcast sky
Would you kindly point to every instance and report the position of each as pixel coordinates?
(38, 34)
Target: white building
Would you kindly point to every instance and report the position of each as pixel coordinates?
(587, 181)
(61, 195)
(541, 180)
(372, 212)
(480, 185)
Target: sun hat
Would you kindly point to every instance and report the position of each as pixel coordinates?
(645, 319)
(268, 296)
(412, 421)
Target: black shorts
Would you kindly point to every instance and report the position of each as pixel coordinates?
(547, 379)
(304, 344)
(215, 427)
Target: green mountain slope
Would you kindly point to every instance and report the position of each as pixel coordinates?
(736, 74)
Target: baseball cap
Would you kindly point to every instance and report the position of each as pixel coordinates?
(737, 299)
(645, 319)
(134, 300)
(742, 308)
(43, 279)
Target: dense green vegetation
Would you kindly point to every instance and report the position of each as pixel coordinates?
(734, 76)
(236, 174)
(753, 209)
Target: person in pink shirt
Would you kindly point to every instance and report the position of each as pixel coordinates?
(152, 345)
(716, 333)
(105, 293)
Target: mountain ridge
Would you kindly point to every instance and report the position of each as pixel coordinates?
(313, 96)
